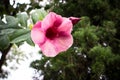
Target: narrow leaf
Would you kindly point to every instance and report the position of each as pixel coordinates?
(22, 17)
(20, 35)
(38, 14)
(4, 42)
(12, 21)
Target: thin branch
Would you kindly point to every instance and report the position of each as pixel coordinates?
(3, 57)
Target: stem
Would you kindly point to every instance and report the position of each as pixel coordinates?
(3, 57)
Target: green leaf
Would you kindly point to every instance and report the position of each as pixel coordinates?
(20, 35)
(38, 14)
(23, 17)
(12, 21)
(7, 31)
(4, 42)
(30, 42)
(9, 27)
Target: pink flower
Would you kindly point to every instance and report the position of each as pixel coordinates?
(53, 34)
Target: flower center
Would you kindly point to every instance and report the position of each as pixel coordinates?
(51, 33)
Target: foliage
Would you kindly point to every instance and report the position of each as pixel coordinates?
(15, 27)
(95, 54)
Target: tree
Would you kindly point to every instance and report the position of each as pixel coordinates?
(95, 54)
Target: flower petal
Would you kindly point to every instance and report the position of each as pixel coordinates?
(66, 26)
(48, 49)
(74, 20)
(50, 19)
(37, 34)
(62, 43)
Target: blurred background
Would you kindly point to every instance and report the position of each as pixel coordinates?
(95, 54)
